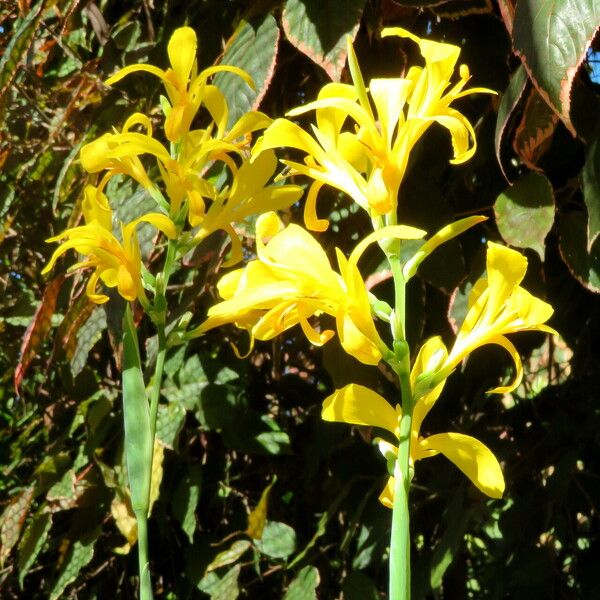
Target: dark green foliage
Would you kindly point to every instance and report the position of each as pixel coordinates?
(229, 426)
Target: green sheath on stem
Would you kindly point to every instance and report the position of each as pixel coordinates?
(138, 444)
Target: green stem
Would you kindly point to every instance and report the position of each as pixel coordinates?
(399, 583)
(143, 562)
(400, 537)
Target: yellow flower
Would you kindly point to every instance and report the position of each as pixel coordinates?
(369, 162)
(498, 305)
(247, 195)
(119, 152)
(186, 90)
(292, 280)
(358, 405)
(116, 263)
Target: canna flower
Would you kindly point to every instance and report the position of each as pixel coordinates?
(248, 194)
(358, 405)
(497, 306)
(119, 152)
(292, 280)
(369, 162)
(186, 90)
(116, 263)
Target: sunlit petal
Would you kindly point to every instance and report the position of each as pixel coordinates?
(472, 457)
(358, 405)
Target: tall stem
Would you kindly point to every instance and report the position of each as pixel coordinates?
(399, 583)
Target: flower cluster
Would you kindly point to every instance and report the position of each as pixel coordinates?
(189, 206)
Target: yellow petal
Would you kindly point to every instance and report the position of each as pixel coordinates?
(311, 220)
(443, 235)
(387, 494)
(358, 405)
(362, 347)
(472, 457)
(132, 69)
(430, 357)
(509, 347)
(182, 52)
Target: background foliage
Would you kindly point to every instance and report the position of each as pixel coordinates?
(230, 429)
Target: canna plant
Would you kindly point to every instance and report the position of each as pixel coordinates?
(360, 145)
(189, 207)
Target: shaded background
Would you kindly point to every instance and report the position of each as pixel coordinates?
(229, 428)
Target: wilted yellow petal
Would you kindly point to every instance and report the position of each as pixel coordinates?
(258, 517)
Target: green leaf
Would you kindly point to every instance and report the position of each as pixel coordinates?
(229, 556)
(525, 212)
(253, 48)
(87, 336)
(358, 586)
(590, 185)
(12, 520)
(186, 498)
(78, 556)
(552, 38)
(32, 543)
(319, 28)
(169, 422)
(227, 588)
(508, 104)
(278, 540)
(584, 265)
(304, 585)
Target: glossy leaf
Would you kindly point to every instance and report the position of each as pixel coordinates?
(583, 264)
(88, 334)
(525, 212)
(534, 133)
(510, 100)
(253, 48)
(552, 39)
(590, 185)
(318, 28)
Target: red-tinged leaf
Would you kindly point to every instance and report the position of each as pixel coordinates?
(319, 28)
(507, 10)
(455, 9)
(66, 335)
(253, 48)
(420, 3)
(552, 39)
(508, 104)
(38, 329)
(534, 133)
(525, 212)
(19, 44)
(12, 520)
